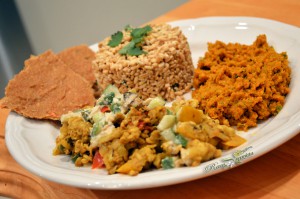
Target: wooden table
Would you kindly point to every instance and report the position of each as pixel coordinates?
(274, 175)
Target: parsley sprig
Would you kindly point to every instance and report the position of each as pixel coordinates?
(116, 39)
(133, 48)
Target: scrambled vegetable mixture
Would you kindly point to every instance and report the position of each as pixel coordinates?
(127, 135)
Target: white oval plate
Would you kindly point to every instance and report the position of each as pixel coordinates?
(31, 142)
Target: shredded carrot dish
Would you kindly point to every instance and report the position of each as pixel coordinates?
(241, 84)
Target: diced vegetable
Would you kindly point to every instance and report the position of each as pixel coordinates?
(97, 161)
(189, 113)
(115, 108)
(96, 129)
(157, 101)
(108, 95)
(111, 89)
(74, 158)
(105, 109)
(179, 139)
(166, 122)
(167, 163)
(188, 130)
(168, 134)
(141, 125)
(97, 116)
(169, 112)
(108, 99)
(85, 115)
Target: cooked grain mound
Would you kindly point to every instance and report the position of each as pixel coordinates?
(166, 69)
(47, 88)
(240, 84)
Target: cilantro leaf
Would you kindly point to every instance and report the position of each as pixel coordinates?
(135, 51)
(128, 28)
(115, 39)
(137, 40)
(140, 32)
(133, 48)
(125, 49)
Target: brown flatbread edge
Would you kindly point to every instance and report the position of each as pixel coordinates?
(79, 59)
(47, 88)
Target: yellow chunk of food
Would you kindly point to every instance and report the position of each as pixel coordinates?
(192, 131)
(114, 155)
(129, 135)
(189, 113)
(218, 134)
(154, 138)
(233, 142)
(138, 160)
(170, 148)
(176, 105)
(73, 129)
(158, 158)
(198, 152)
(108, 134)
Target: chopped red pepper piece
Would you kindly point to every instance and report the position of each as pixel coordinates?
(141, 125)
(105, 109)
(97, 161)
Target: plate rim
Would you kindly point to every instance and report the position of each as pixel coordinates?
(292, 132)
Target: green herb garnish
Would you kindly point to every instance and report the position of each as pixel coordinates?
(136, 51)
(137, 36)
(140, 32)
(131, 49)
(126, 48)
(128, 28)
(115, 39)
